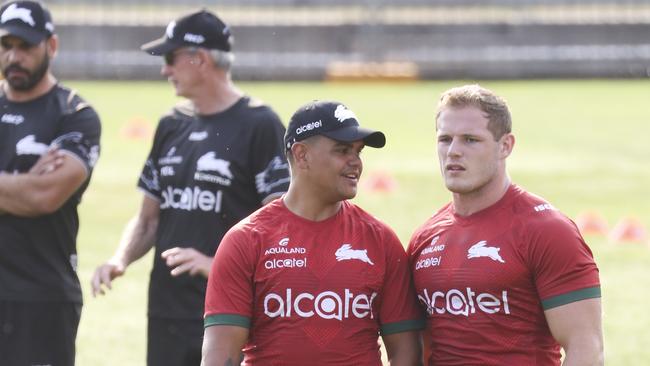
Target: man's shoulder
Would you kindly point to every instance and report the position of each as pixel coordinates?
(180, 114)
(443, 216)
(257, 112)
(534, 208)
(537, 215)
(264, 220)
(272, 211)
(363, 218)
(182, 110)
(423, 233)
(69, 100)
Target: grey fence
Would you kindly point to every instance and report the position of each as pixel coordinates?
(319, 39)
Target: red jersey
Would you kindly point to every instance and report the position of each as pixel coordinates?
(486, 279)
(312, 292)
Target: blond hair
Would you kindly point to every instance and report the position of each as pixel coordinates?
(494, 107)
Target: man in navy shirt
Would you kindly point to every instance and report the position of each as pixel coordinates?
(216, 157)
(49, 143)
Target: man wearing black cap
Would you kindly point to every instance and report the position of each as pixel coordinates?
(312, 279)
(49, 143)
(215, 159)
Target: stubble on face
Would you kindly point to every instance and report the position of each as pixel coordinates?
(23, 79)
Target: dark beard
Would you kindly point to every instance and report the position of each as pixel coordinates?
(33, 78)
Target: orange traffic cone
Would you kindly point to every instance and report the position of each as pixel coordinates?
(629, 229)
(592, 223)
(136, 129)
(381, 182)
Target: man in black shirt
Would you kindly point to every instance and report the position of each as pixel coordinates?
(216, 158)
(49, 143)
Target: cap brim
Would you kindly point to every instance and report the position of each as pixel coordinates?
(160, 46)
(355, 133)
(28, 35)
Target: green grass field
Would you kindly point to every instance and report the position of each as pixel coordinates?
(580, 144)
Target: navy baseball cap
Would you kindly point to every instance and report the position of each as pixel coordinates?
(201, 29)
(330, 119)
(27, 20)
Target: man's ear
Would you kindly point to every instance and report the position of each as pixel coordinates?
(300, 153)
(52, 45)
(506, 144)
(203, 58)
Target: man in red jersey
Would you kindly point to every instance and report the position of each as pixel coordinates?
(312, 279)
(505, 278)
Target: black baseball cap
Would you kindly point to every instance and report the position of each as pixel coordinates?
(28, 20)
(330, 119)
(201, 29)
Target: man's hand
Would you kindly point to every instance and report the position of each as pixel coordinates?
(183, 260)
(104, 274)
(48, 162)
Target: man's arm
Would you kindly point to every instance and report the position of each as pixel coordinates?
(189, 260)
(403, 348)
(577, 326)
(138, 238)
(222, 345)
(45, 188)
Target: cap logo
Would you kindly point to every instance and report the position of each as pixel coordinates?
(308, 127)
(194, 38)
(342, 113)
(170, 29)
(14, 12)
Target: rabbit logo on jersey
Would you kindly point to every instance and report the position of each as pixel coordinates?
(210, 163)
(481, 249)
(326, 304)
(29, 146)
(345, 252)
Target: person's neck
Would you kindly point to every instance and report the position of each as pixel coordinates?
(308, 205)
(42, 87)
(466, 204)
(216, 97)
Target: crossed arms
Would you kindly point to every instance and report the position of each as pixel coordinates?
(54, 178)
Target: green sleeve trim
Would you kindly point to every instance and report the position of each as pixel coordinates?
(227, 319)
(403, 326)
(573, 296)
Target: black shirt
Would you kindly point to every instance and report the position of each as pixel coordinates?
(208, 172)
(38, 256)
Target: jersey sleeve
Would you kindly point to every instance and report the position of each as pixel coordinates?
(399, 310)
(229, 296)
(149, 177)
(562, 264)
(79, 134)
(268, 161)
